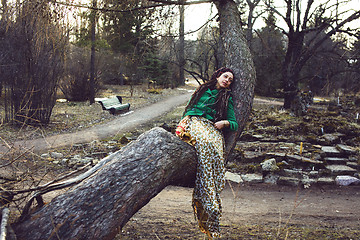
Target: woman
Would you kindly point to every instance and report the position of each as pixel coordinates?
(209, 111)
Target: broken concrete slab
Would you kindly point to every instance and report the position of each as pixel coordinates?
(269, 165)
(331, 138)
(304, 159)
(271, 178)
(326, 180)
(252, 156)
(353, 165)
(233, 177)
(292, 173)
(335, 160)
(346, 149)
(329, 151)
(252, 178)
(275, 155)
(345, 180)
(340, 170)
(288, 181)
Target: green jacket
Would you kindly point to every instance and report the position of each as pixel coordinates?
(205, 107)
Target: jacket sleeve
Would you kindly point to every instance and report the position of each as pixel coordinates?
(231, 116)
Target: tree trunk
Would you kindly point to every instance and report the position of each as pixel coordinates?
(238, 57)
(92, 56)
(102, 204)
(182, 44)
(250, 21)
(292, 67)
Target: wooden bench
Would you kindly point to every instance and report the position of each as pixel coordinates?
(114, 104)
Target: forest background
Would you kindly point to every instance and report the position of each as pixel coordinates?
(78, 47)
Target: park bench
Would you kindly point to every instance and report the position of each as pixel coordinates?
(114, 104)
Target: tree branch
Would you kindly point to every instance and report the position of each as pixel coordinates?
(4, 222)
(171, 2)
(335, 29)
(163, 3)
(193, 31)
(109, 9)
(306, 15)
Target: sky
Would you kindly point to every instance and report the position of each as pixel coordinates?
(198, 14)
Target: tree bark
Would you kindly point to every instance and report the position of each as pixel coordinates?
(237, 57)
(102, 204)
(291, 67)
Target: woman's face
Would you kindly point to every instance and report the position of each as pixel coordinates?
(224, 80)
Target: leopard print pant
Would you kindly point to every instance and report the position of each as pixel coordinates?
(210, 181)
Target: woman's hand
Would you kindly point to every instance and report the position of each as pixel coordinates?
(180, 130)
(221, 124)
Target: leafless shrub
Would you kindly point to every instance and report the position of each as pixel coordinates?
(76, 84)
(33, 44)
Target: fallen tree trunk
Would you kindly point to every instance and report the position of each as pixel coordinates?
(101, 205)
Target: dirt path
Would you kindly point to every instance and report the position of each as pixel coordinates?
(169, 215)
(122, 124)
(255, 204)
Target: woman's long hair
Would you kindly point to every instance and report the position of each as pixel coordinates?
(222, 99)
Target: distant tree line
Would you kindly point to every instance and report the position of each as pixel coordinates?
(137, 41)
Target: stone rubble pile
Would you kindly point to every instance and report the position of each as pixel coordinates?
(320, 147)
(87, 154)
(75, 161)
(317, 164)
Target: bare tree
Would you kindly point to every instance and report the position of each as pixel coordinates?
(92, 58)
(202, 55)
(182, 44)
(323, 17)
(252, 17)
(34, 46)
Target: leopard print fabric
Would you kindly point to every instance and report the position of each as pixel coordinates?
(210, 181)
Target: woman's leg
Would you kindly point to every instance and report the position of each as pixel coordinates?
(210, 174)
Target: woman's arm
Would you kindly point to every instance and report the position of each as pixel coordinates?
(230, 122)
(231, 116)
(222, 124)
